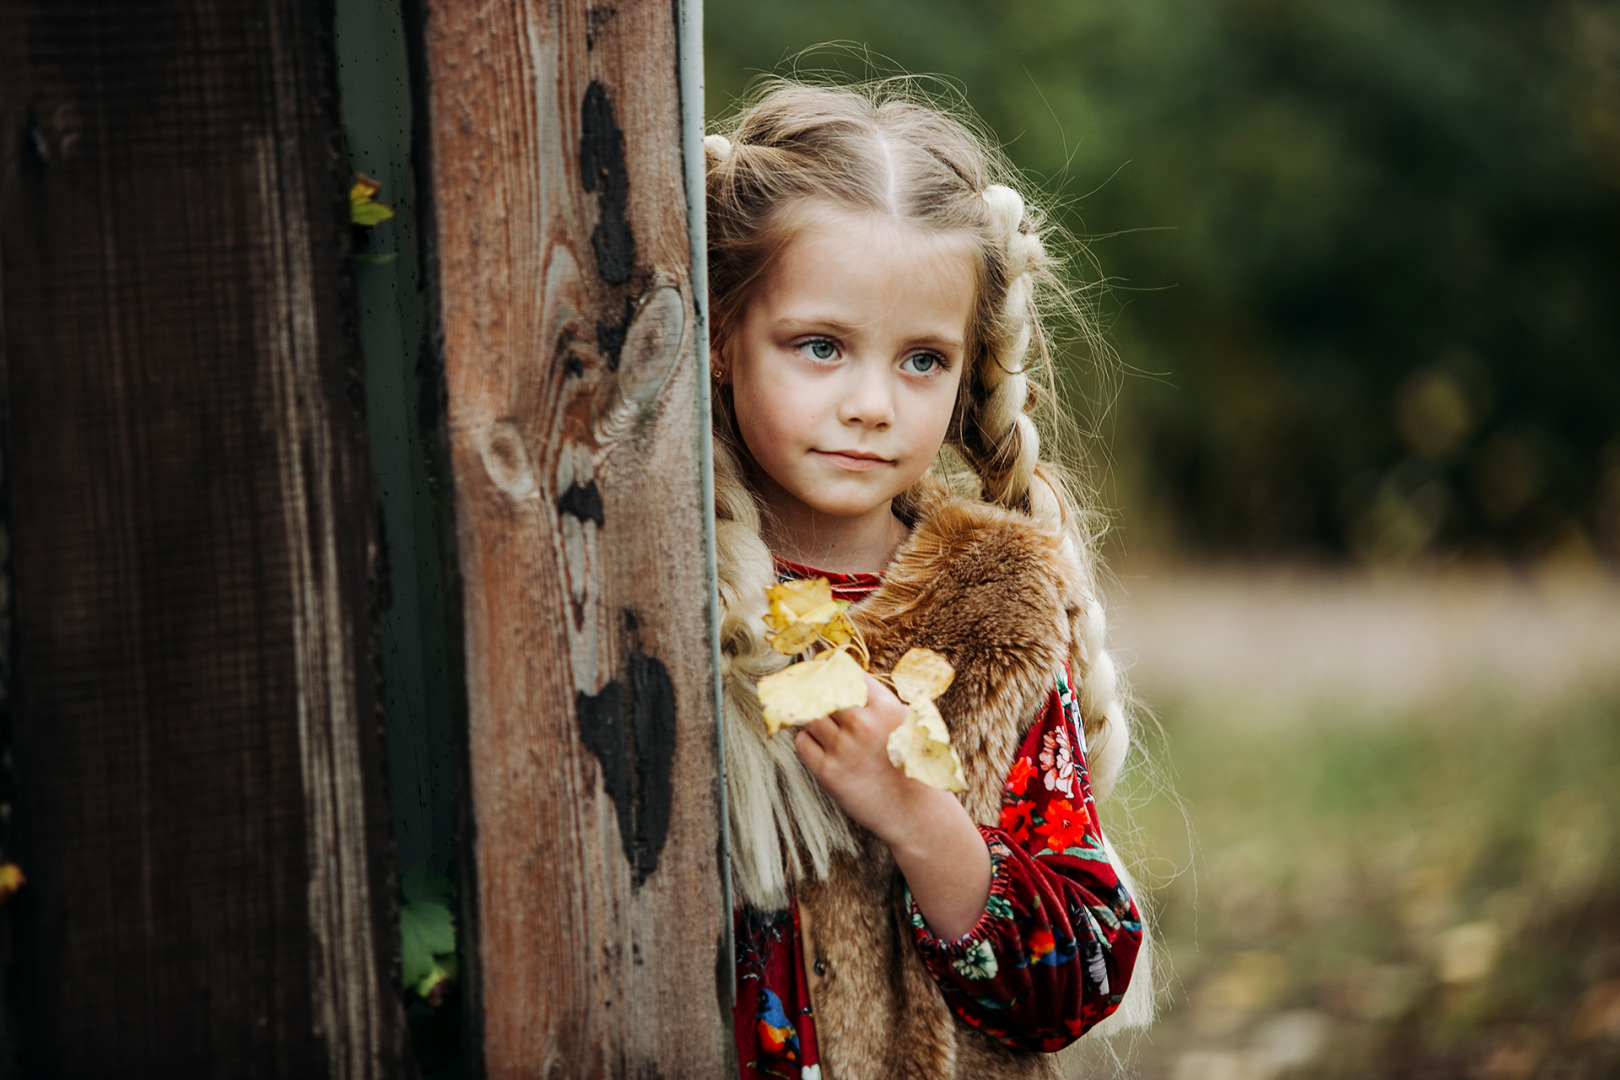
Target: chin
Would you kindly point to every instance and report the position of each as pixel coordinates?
(853, 506)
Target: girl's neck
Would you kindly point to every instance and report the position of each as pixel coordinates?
(841, 545)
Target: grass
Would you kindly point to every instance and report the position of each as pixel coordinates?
(1365, 895)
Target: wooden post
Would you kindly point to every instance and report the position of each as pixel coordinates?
(575, 416)
(200, 802)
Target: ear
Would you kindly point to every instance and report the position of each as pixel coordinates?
(719, 370)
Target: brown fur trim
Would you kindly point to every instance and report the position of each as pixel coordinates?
(878, 1013)
(994, 594)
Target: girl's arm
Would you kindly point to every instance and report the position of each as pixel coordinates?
(1027, 928)
(1058, 942)
(937, 847)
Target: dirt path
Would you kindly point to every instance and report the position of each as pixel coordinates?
(1271, 643)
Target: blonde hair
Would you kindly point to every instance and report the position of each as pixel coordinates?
(876, 150)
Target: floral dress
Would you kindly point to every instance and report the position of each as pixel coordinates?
(1050, 956)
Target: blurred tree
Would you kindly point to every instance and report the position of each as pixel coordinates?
(1366, 250)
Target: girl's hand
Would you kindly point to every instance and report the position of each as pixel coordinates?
(848, 755)
(935, 844)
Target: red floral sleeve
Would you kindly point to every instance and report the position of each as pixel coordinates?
(1055, 947)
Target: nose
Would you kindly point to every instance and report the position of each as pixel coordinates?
(868, 399)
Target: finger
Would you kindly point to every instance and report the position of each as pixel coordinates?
(810, 752)
(823, 731)
(879, 693)
(846, 718)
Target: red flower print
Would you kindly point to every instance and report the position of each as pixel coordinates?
(1015, 819)
(1041, 943)
(1057, 758)
(1018, 780)
(1065, 825)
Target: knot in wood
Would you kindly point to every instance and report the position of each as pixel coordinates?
(506, 459)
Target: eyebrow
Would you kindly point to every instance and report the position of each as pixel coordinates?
(788, 322)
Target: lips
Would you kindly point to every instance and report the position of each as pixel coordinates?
(853, 460)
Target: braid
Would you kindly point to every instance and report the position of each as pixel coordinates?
(1002, 443)
(1005, 447)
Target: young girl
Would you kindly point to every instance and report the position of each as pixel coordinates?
(874, 300)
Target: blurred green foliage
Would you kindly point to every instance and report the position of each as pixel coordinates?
(1433, 893)
(1363, 252)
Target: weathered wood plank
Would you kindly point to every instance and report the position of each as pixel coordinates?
(201, 810)
(575, 419)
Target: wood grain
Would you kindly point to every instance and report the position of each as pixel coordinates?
(574, 417)
(201, 804)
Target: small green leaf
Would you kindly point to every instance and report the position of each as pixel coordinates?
(435, 924)
(364, 209)
(370, 213)
(426, 929)
(387, 258)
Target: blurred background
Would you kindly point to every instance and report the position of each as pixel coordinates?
(1362, 455)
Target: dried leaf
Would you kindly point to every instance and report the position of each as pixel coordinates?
(803, 613)
(922, 675)
(810, 690)
(921, 746)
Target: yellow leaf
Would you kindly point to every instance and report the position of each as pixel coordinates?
(364, 209)
(810, 690)
(921, 746)
(792, 600)
(803, 613)
(11, 879)
(922, 675)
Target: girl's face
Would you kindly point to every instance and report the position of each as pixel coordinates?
(845, 365)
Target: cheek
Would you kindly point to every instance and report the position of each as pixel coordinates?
(755, 432)
(940, 410)
(762, 421)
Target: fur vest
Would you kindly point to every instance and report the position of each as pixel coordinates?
(994, 594)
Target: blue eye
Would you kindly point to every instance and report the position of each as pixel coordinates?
(819, 349)
(922, 363)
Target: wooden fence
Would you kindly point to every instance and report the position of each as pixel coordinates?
(196, 581)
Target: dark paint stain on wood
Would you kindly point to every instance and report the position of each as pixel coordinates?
(570, 352)
(602, 170)
(584, 501)
(596, 18)
(630, 727)
(610, 336)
